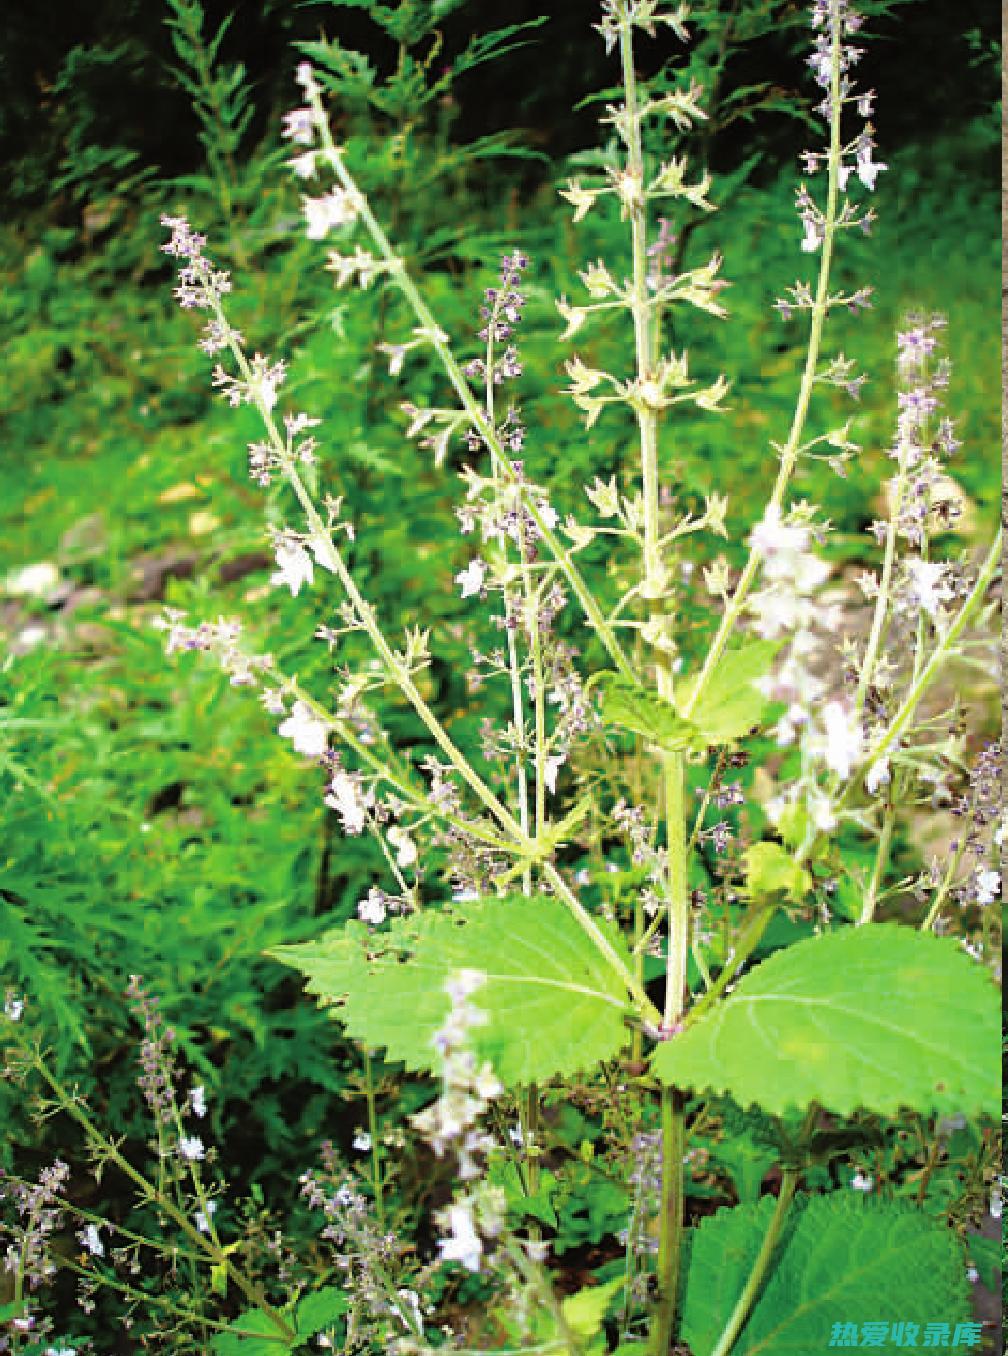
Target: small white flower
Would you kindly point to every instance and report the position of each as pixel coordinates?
(812, 238)
(203, 1219)
(33, 581)
(372, 909)
(322, 214)
(13, 1008)
(197, 1100)
(929, 584)
(405, 848)
(843, 741)
(996, 1204)
(303, 165)
(307, 733)
(61, 1351)
(471, 578)
(346, 799)
(362, 1142)
(294, 566)
(550, 769)
(877, 776)
(191, 1148)
(91, 1239)
(868, 169)
(861, 1181)
(972, 1275)
(821, 811)
(988, 886)
(464, 1245)
(515, 1135)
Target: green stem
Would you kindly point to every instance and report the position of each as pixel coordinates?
(946, 883)
(789, 1181)
(645, 1007)
(673, 1203)
(654, 588)
(377, 1185)
(881, 861)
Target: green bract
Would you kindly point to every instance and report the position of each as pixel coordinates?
(879, 1017)
(553, 1006)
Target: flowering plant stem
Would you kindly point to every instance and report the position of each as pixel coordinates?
(653, 589)
(396, 269)
(790, 452)
(207, 1244)
(397, 671)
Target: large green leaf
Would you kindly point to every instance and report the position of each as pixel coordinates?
(553, 1004)
(880, 1017)
(629, 706)
(841, 1259)
(730, 703)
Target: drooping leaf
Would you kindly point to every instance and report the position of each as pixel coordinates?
(841, 1259)
(730, 703)
(553, 1004)
(630, 707)
(880, 1017)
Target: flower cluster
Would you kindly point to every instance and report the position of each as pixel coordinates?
(452, 1121)
(40, 1216)
(369, 1257)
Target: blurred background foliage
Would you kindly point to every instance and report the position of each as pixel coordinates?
(152, 821)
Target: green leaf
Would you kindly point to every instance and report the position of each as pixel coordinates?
(320, 1310)
(880, 1017)
(730, 705)
(630, 707)
(747, 1162)
(253, 1333)
(553, 1004)
(771, 870)
(842, 1258)
(584, 1311)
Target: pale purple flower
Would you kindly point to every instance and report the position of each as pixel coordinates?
(299, 126)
